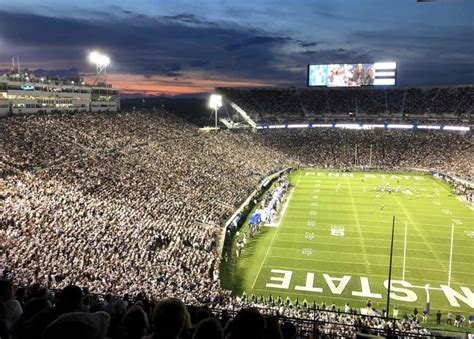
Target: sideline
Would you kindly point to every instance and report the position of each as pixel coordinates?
(277, 231)
(279, 216)
(264, 182)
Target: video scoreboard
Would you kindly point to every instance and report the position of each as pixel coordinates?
(353, 75)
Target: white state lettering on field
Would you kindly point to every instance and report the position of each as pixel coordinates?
(366, 292)
(409, 295)
(350, 175)
(284, 281)
(340, 287)
(453, 296)
(309, 284)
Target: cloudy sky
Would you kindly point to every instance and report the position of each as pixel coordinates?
(191, 46)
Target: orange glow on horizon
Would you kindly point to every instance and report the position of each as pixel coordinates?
(162, 85)
(190, 83)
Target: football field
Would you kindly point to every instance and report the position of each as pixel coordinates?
(333, 244)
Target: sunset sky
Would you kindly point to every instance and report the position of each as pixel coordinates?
(185, 46)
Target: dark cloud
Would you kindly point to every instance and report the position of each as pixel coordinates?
(188, 19)
(145, 45)
(179, 44)
(199, 63)
(169, 69)
(308, 43)
(257, 41)
(425, 55)
(339, 55)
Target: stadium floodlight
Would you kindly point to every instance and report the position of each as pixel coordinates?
(215, 102)
(99, 59)
(101, 62)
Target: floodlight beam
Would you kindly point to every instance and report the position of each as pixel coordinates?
(215, 102)
(101, 62)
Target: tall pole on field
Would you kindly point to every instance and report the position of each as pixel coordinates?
(451, 254)
(355, 156)
(405, 250)
(390, 268)
(215, 102)
(370, 156)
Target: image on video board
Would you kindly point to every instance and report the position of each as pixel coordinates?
(352, 75)
(318, 75)
(343, 75)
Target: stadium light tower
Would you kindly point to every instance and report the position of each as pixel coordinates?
(101, 62)
(215, 102)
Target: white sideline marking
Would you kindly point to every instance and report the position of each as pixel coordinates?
(283, 211)
(273, 239)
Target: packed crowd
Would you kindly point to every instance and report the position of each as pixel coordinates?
(387, 149)
(74, 313)
(121, 203)
(134, 202)
(292, 105)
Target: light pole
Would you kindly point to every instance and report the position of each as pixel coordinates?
(215, 102)
(390, 268)
(101, 62)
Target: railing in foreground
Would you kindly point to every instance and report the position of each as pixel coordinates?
(317, 323)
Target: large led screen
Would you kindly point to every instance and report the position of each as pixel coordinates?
(350, 75)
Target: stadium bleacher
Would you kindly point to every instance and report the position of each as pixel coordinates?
(133, 203)
(268, 106)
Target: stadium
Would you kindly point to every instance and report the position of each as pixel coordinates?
(340, 208)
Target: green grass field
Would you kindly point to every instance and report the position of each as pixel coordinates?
(341, 238)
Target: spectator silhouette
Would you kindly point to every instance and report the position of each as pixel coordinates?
(134, 323)
(248, 324)
(69, 300)
(171, 320)
(10, 308)
(209, 328)
(78, 325)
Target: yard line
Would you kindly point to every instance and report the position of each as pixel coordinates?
(376, 240)
(360, 263)
(355, 254)
(420, 234)
(359, 230)
(331, 212)
(373, 232)
(371, 246)
(327, 221)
